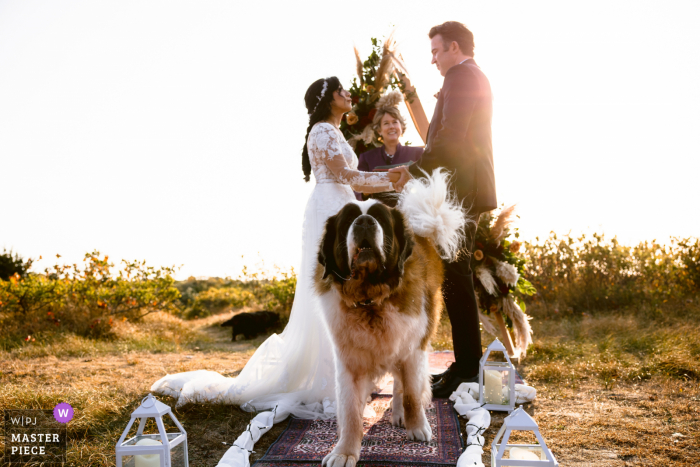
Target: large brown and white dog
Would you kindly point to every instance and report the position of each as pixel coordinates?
(379, 279)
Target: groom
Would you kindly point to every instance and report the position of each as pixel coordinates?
(459, 139)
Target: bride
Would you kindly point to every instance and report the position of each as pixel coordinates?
(294, 370)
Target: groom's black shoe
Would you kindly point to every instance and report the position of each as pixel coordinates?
(437, 377)
(445, 386)
(445, 374)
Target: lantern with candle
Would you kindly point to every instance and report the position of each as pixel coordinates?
(496, 380)
(520, 455)
(160, 449)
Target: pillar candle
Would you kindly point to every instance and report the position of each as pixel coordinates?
(523, 454)
(147, 460)
(493, 393)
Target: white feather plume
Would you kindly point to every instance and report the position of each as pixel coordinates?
(433, 212)
(521, 324)
(487, 280)
(507, 273)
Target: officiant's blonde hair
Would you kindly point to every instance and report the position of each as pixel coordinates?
(389, 104)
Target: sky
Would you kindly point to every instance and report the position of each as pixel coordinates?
(171, 131)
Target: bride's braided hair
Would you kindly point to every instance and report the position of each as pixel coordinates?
(318, 100)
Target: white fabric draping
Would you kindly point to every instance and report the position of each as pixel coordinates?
(479, 419)
(238, 455)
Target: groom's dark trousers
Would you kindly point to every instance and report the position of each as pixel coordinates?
(459, 139)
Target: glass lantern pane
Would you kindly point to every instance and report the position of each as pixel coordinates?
(496, 387)
(136, 439)
(128, 461)
(177, 455)
(498, 364)
(530, 453)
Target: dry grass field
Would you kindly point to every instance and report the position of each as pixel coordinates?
(613, 389)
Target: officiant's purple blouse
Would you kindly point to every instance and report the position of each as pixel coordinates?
(377, 156)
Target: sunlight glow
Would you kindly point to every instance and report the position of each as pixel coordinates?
(172, 131)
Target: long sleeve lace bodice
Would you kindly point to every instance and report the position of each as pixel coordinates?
(332, 159)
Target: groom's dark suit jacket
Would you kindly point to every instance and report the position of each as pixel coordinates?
(459, 137)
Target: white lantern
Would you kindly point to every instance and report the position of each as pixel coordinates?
(161, 449)
(520, 455)
(496, 380)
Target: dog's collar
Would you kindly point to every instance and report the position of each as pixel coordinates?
(365, 303)
(344, 278)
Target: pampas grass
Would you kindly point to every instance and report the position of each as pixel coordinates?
(386, 66)
(521, 324)
(368, 136)
(504, 220)
(360, 66)
(390, 99)
(487, 280)
(488, 325)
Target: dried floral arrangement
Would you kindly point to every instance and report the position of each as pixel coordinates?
(382, 71)
(499, 280)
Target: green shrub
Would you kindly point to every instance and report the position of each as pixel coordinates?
(217, 299)
(278, 293)
(83, 301)
(11, 264)
(572, 275)
(204, 297)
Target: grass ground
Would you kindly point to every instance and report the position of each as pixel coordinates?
(613, 389)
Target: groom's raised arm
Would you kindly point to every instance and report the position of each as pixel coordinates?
(460, 93)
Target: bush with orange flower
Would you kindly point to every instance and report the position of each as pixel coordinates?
(83, 300)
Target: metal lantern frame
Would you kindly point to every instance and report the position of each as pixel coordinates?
(485, 365)
(520, 420)
(152, 408)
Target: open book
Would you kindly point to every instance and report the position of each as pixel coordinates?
(385, 168)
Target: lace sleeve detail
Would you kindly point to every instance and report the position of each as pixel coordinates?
(328, 145)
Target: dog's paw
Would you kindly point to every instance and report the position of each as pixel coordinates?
(336, 459)
(421, 432)
(397, 417)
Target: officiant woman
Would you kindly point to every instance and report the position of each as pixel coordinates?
(389, 125)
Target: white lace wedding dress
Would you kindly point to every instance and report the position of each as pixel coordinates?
(294, 370)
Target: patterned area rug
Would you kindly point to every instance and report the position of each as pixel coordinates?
(306, 442)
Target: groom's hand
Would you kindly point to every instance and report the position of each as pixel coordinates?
(405, 177)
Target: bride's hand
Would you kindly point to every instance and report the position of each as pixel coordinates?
(404, 177)
(394, 177)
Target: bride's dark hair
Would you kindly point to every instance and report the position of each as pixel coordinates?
(318, 110)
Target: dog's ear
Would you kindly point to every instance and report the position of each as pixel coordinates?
(326, 250)
(404, 239)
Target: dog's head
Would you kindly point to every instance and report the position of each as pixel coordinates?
(365, 241)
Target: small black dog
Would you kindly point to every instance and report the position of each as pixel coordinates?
(252, 324)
